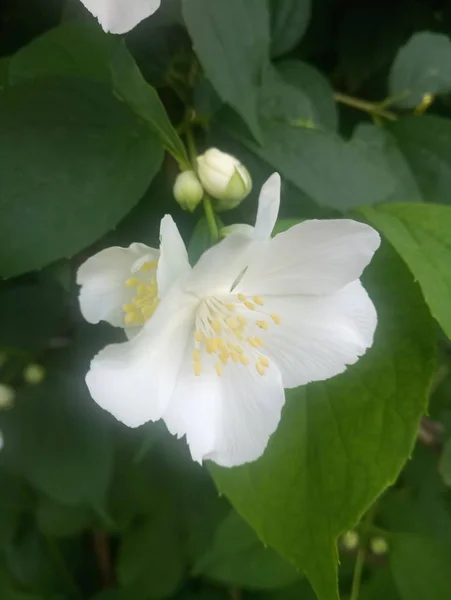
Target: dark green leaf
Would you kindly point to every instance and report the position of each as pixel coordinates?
(232, 42)
(70, 50)
(143, 99)
(57, 520)
(445, 463)
(340, 443)
(237, 558)
(75, 161)
(421, 234)
(420, 567)
(15, 500)
(422, 66)
(289, 21)
(426, 144)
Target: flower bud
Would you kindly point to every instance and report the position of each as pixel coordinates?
(188, 190)
(34, 374)
(350, 540)
(224, 178)
(379, 546)
(7, 395)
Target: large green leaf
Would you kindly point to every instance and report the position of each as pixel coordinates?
(341, 442)
(131, 86)
(70, 50)
(422, 66)
(232, 42)
(426, 144)
(421, 234)
(74, 162)
(289, 21)
(238, 558)
(420, 567)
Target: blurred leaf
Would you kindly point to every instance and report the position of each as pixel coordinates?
(420, 567)
(59, 442)
(75, 162)
(142, 98)
(422, 66)
(237, 558)
(445, 463)
(421, 234)
(15, 500)
(289, 21)
(8, 591)
(381, 585)
(57, 520)
(200, 240)
(70, 50)
(386, 151)
(361, 425)
(232, 42)
(315, 86)
(426, 144)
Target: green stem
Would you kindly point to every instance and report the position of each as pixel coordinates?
(211, 219)
(357, 576)
(369, 107)
(192, 151)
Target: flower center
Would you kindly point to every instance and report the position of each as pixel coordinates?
(232, 332)
(145, 299)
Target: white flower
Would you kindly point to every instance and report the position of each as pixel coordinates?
(119, 16)
(254, 316)
(224, 177)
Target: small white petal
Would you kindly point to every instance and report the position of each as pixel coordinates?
(268, 208)
(227, 419)
(119, 16)
(318, 336)
(102, 278)
(314, 257)
(173, 262)
(134, 381)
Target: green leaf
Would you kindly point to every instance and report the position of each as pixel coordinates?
(238, 558)
(57, 520)
(15, 500)
(289, 21)
(232, 42)
(143, 99)
(150, 562)
(381, 585)
(70, 50)
(75, 161)
(341, 442)
(387, 153)
(421, 234)
(445, 463)
(422, 66)
(420, 567)
(426, 144)
(57, 441)
(315, 86)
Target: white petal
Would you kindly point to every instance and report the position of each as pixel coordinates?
(219, 267)
(173, 262)
(134, 381)
(314, 257)
(319, 335)
(268, 208)
(119, 16)
(227, 419)
(102, 278)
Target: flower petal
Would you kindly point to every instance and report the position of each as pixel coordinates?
(314, 257)
(268, 208)
(318, 336)
(134, 381)
(219, 267)
(102, 278)
(227, 419)
(119, 16)
(173, 262)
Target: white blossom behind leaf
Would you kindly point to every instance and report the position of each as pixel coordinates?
(120, 16)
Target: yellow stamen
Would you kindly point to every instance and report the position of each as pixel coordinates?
(241, 297)
(148, 311)
(258, 300)
(263, 324)
(198, 336)
(197, 368)
(276, 318)
(196, 355)
(243, 360)
(147, 266)
(216, 326)
(211, 345)
(259, 341)
(232, 322)
(242, 320)
(264, 361)
(230, 307)
(128, 308)
(249, 305)
(132, 282)
(253, 342)
(219, 369)
(129, 318)
(235, 356)
(260, 368)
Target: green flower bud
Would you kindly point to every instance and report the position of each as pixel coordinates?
(379, 546)
(350, 540)
(34, 374)
(188, 190)
(7, 396)
(224, 178)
